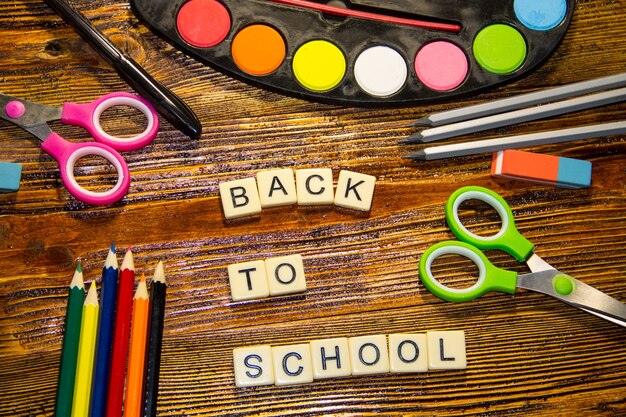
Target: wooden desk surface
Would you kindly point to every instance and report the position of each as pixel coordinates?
(527, 354)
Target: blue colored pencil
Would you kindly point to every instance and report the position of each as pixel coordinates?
(105, 335)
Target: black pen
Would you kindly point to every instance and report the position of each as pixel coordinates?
(168, 104)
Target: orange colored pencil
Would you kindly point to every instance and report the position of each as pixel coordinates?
(136, 357)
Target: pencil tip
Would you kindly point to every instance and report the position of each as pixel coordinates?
(111, 260)
(415, 138)
(142, 289)
(112, 247)
(419, 155)
(159, 273)
(79, 267)
(424, 121)
(92, 294)
(128, 262)
(77, 279)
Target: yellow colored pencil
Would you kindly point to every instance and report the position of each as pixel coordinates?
(86, 352)
(136, 357)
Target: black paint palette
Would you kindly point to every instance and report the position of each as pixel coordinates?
(365, 52)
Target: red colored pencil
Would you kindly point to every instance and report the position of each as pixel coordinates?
(121, 336)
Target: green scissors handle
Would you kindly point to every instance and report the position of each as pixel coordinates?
(507, 239)
(490, 277)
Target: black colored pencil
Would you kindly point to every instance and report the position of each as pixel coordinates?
(153, 346)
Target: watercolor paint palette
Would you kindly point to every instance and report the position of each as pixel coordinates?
(365, 52)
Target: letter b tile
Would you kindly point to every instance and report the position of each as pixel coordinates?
(240, 198)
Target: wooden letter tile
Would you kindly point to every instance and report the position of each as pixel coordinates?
(292, 364)
(408, 353)
(369, 355)
(248, 280)
(315, 186)
(446, 350)
(285, 275)
(253, 366)
(240, 198)
(355, 191)
(276, 187)
(331, 358)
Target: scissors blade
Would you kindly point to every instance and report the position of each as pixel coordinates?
(583, 296)
(33, 115)
(536, 264)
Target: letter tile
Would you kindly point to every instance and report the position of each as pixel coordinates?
(315, 186)
(355, 191)
(369, 355)
(285, 275)
(253, 366)
(331, 358)
(277, 187)
(240, 198)
(292, 364)
(446, 350)
(248, 280)
(408, 352)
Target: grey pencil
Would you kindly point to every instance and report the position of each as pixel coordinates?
(521, 141)
(519, 116)
(523, 100)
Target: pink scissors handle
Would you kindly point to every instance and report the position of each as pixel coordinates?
(67, 153)
(88, 116)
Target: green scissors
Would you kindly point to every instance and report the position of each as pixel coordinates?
(544, 278)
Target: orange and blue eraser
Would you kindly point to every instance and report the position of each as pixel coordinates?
(10, 175)
(545, 169)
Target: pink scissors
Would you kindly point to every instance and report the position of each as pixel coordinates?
(34, 118)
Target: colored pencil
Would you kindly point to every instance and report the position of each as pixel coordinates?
(108, 295)
(86, 353)
(69, 355)
(155, 338)
(521, 141)
(519, 116)
(121, 336)
(137, 353)
(523, 100)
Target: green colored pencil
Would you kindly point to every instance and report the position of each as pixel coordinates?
(67, 373)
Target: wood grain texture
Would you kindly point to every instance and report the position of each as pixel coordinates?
(527, 354)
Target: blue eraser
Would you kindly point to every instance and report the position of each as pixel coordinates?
(10, 174)
(574, 173)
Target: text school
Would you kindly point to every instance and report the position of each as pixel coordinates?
(352, 356)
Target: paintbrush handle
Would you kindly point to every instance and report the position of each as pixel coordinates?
(168, 104)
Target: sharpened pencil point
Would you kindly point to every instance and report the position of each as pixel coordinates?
(142, 289)
(159, 273)
(424, 121)
(112, 247)
(128, 262)
(111, 260)
(92, 294)
(419, 155)
(415, 138)
(79, 267)
(77, 279)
